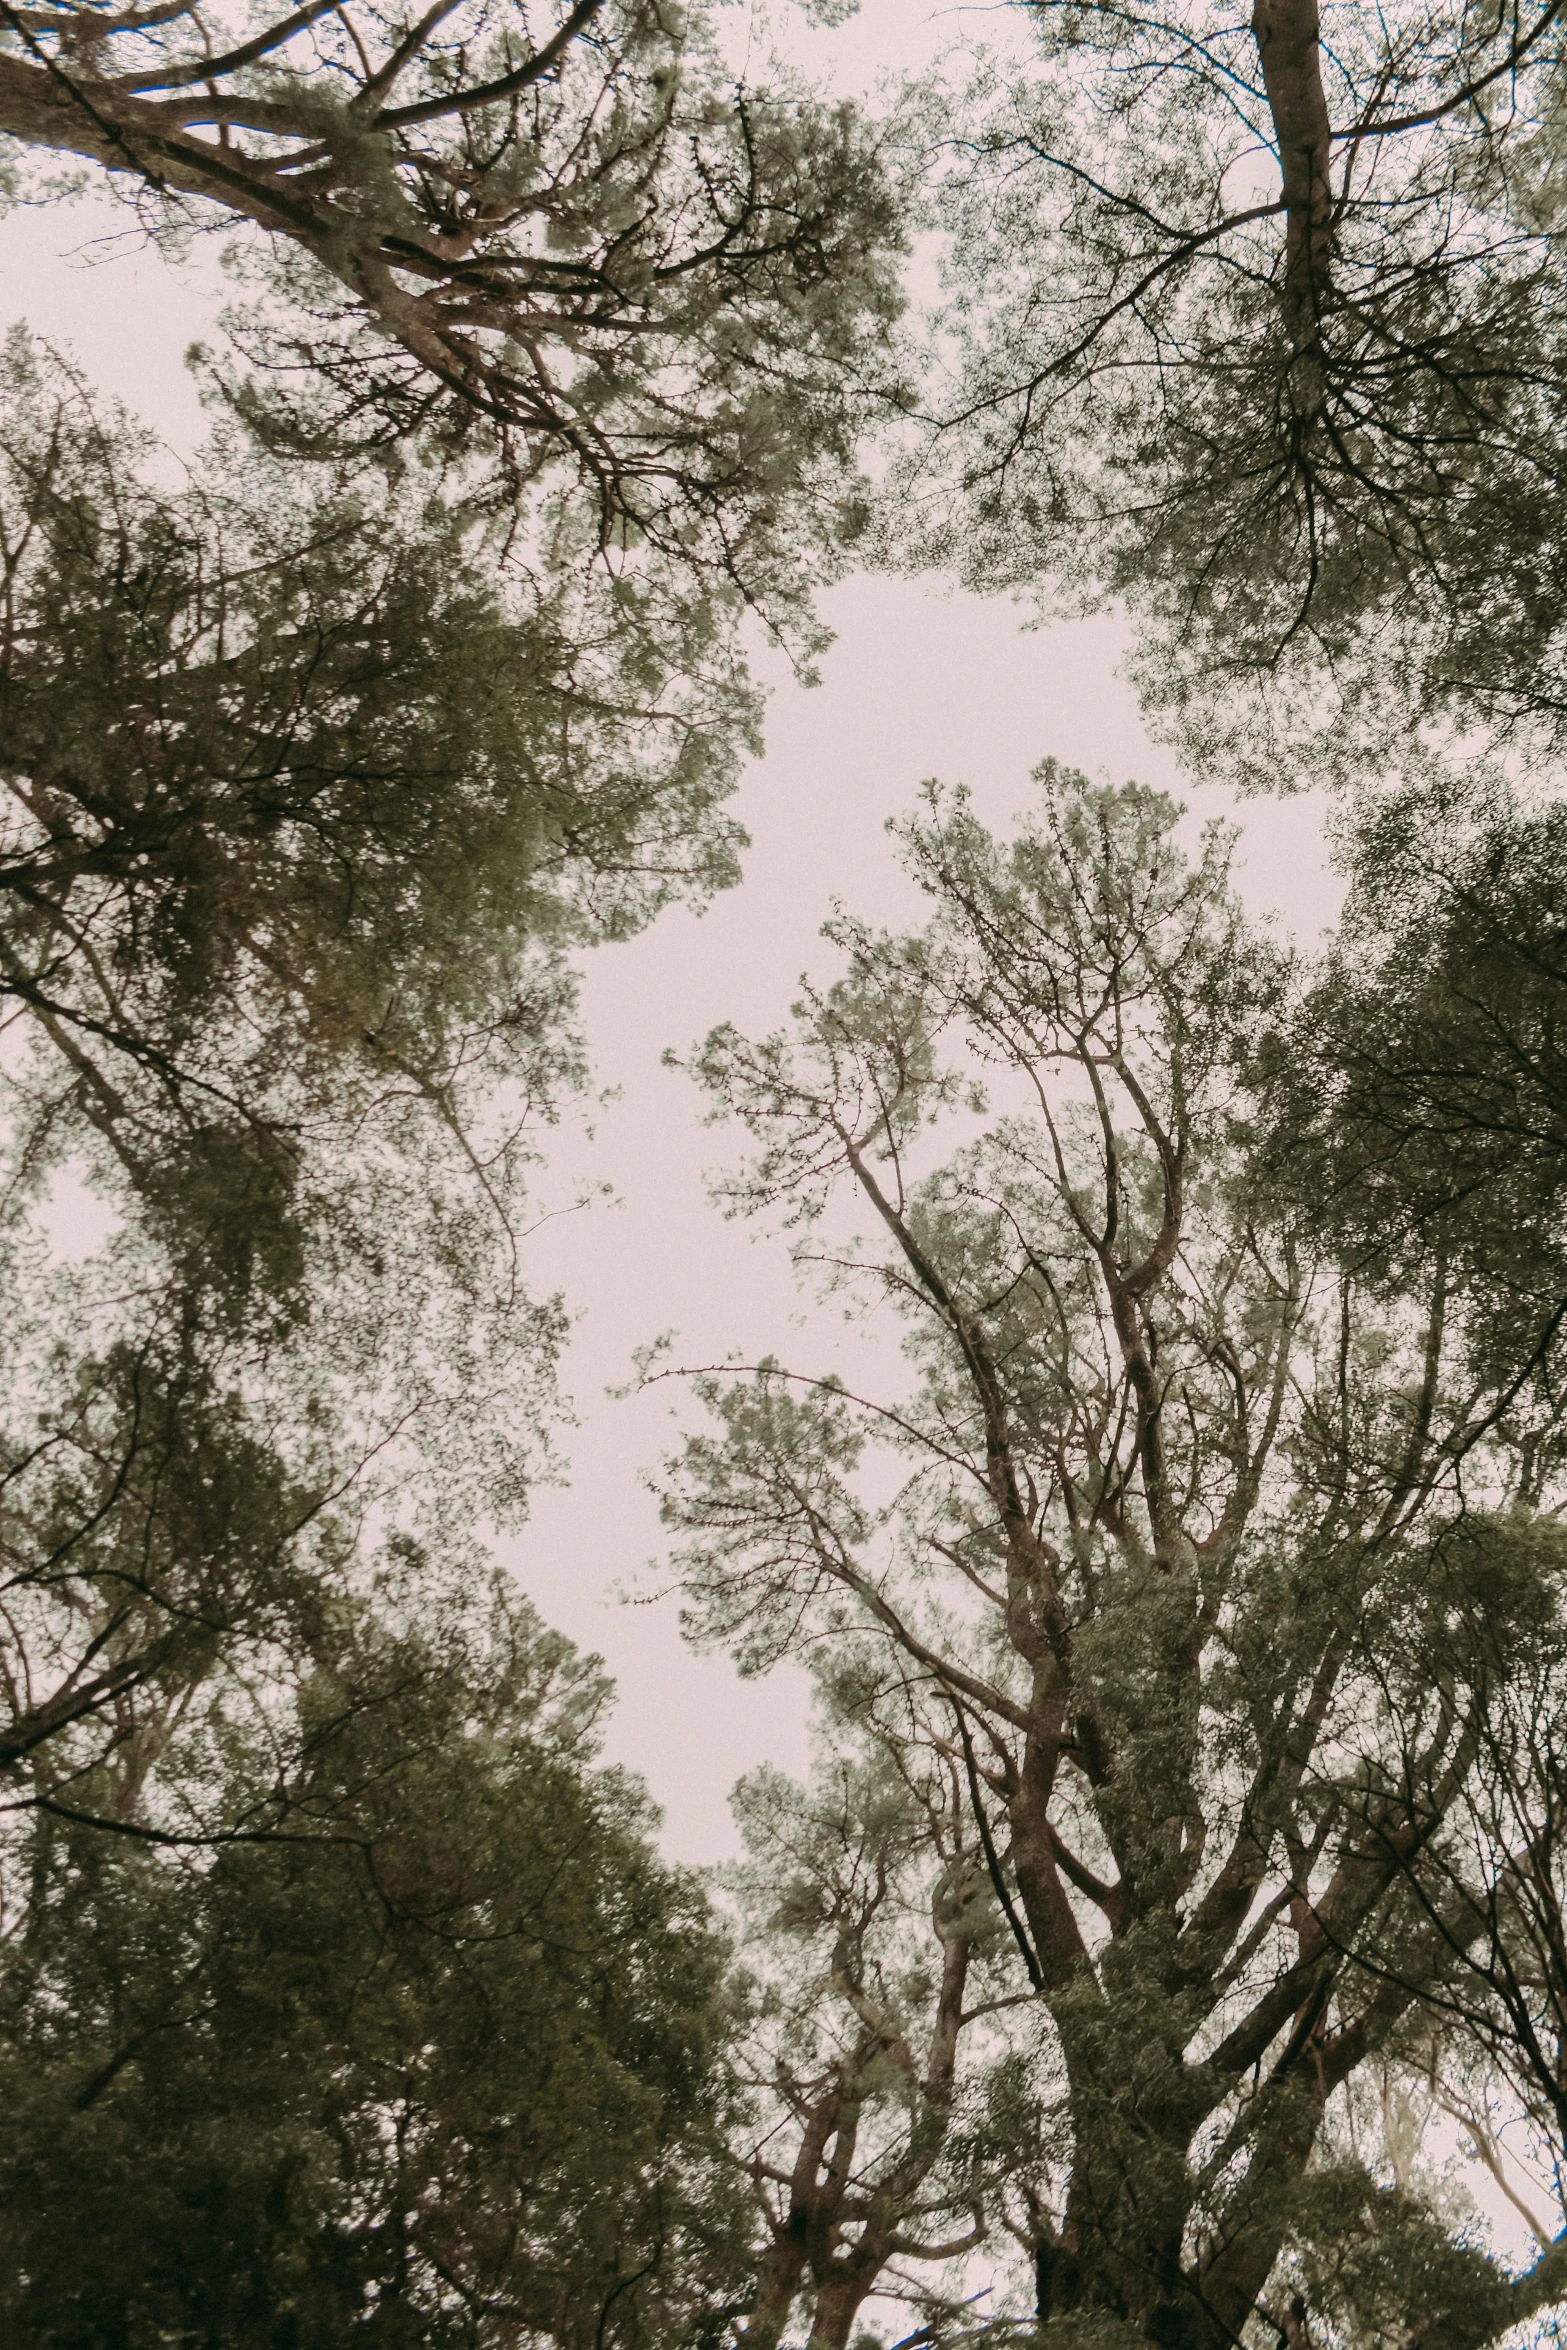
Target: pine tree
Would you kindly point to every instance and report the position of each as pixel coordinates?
(1211, 1555)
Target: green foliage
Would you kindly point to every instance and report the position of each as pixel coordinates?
(307, 797)
(1258, 326)
(438, 2065)
(1378, 2267)
(305, 791)
(310, 788)
(565, 245)
(337, 1992)
(1419, 1092)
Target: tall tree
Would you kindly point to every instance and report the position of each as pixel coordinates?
(1417, 1107)
(304, 803)
(1189, 1554)
(1259, 326)
(303, 783)
(567, 227)
(441, 2066)
(873, 1938)
(338, 1991)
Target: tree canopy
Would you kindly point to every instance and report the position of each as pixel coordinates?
(306, 798)
(1181, 1867)
(1422, 1079)
(569, 237)
(306, 789)
(440, 2065)
(1257, 324)
(1214, 1554)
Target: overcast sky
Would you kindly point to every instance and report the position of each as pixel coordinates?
(917, 684)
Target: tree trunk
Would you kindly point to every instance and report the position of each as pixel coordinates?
(777, 2284)
(1121, 2248)
(839, 2301)
(1288, 44)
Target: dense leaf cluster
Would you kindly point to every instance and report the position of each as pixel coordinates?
(1257, 323)
(435, 2065)
(305, 802)
(568, 238)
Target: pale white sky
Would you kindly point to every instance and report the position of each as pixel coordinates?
(917, 684)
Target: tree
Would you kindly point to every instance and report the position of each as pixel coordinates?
(874, 1939)
(304, 797)
(440, 2066)
(304, 808)
(1417, 1115)
(304, 793)
(571, 237)
(1494, 1889)
(1180, 1553)
(1419, 1098)
(339, 1991)
(1259, 327)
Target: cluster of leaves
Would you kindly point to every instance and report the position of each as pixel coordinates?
(1425, 1081)
(571, 243)
(306, 800)
(435, 2062)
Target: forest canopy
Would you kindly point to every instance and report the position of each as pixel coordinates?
(1166, 1943)
(569, 239)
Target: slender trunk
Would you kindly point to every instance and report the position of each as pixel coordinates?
(1057, 1938)
(782, 2268)
(845, 2274)
(1288, 43)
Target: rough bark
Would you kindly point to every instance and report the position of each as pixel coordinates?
(1288, 44)
(778, 2284)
